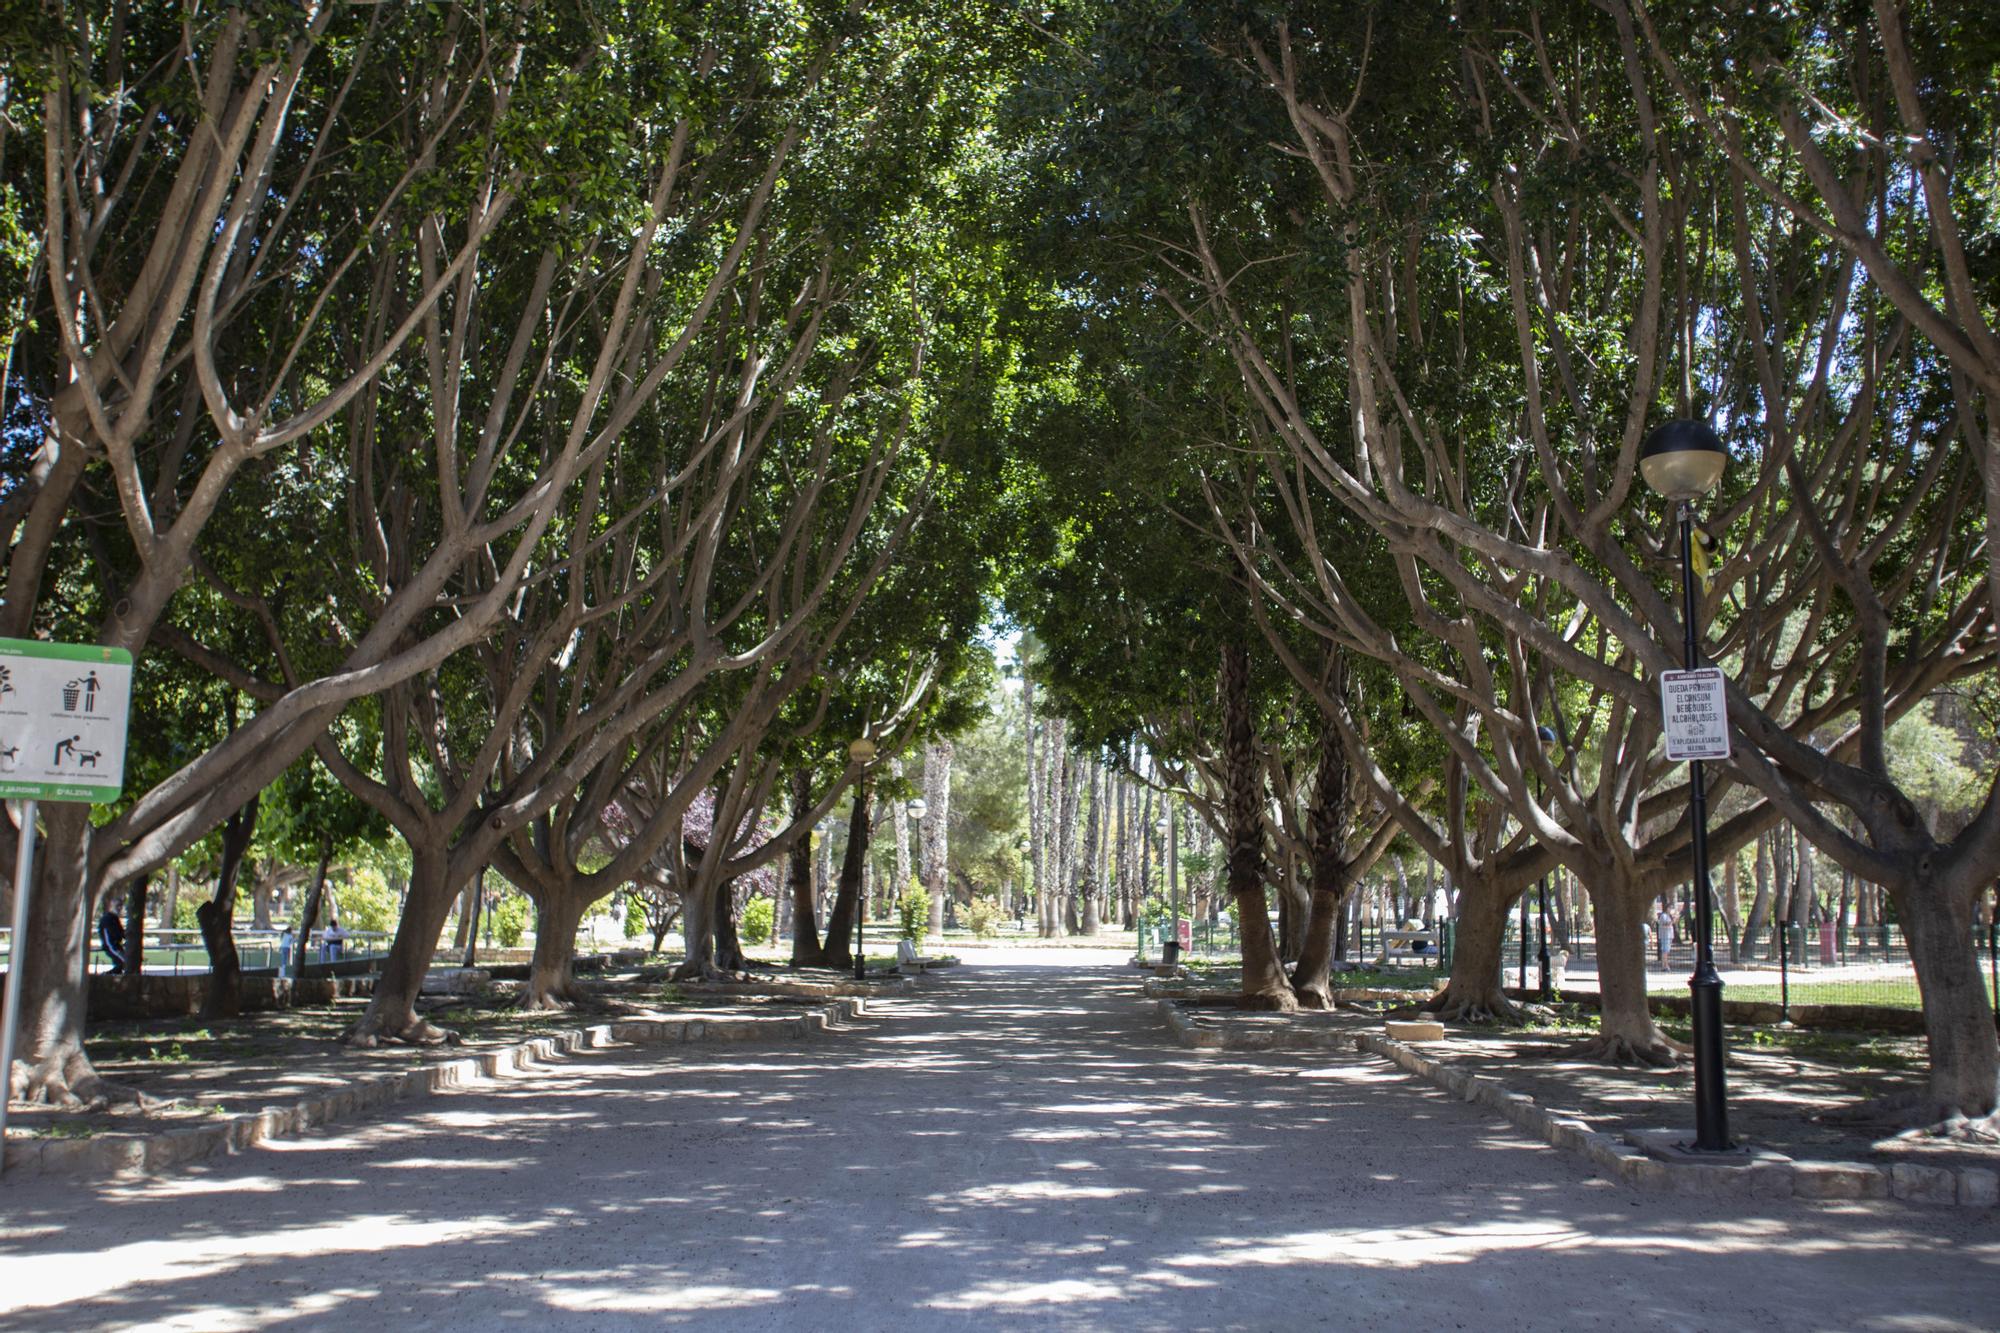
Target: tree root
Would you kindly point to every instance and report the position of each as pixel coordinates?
(1314, 995)
(367, 1035)
(1615, 1049)
(1918, 1117)
(67, 1081)
(1457, 1006)
(1276, 1000)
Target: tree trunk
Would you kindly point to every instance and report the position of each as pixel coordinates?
(933, 830)
(1732, 913)
(839, 947)
(392, 1013)
(728, 944)
(1474, 993)
(559, 909)
(1628, 1034)
(261, 893)
(1760, 906)
(1958, 1019)
(1327, 821)
(170, 903)
(698, 931)
(1264, 982)
(309, 914)
(463, 936)
(135, 927)
(217, 918)
(899, 824)
(51, 1065)
(807, 951)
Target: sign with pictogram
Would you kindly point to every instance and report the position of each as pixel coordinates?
(1695, 708)
(63, 714)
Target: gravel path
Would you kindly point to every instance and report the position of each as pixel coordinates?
(1019, 1147)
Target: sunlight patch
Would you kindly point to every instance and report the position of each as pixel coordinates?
(1005, 1295)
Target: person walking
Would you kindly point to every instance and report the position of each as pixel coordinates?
(111, 934)
(1663, 932)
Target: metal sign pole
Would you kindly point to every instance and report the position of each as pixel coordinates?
(24, 865)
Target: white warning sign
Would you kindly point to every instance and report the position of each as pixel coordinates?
(1696, 710)
(64, 708)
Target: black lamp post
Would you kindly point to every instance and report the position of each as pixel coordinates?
(1683, 461)
(862, 752)
(1547, 736)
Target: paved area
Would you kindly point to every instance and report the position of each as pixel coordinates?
(1019, 1147)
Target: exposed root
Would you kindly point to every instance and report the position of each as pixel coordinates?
(703, 970)
(558, 999)
(1276, 1000)
(368, 1034)
(1455, 1005)
(1918, 1117)
(1314, 995)
(1615, 1049)
(67, 1081)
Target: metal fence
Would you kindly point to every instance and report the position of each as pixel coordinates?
(181, 953)
(1797, 963)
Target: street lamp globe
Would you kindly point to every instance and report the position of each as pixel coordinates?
(916, 807)
(861, 751)
(1682, 460)
(1547, 735)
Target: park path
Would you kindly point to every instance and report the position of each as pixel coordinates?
(1019, 1146)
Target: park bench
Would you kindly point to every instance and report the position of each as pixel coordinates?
(1401, 946)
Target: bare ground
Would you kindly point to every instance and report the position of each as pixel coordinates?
(1019, 1148)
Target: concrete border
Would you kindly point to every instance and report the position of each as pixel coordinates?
(150, 1154)
(1767, 1176)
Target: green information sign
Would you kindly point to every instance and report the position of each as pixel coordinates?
(64, 708)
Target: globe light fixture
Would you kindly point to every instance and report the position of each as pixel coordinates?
(1682, 460)
(861, 750)
(916, 807)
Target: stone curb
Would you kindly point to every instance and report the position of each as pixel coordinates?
(151, 1154)
(1771, 1177)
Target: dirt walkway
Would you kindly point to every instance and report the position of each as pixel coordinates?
(1019, 1148)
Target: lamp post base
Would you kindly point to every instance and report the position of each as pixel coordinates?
(1711, 1095)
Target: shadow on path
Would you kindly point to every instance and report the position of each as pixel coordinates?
(1020, 1146)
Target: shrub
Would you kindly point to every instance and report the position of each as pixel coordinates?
(511, 919)
(983, 917)
(913, 912)
(760, 916)
(635, 916)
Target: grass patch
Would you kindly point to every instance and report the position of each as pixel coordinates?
(1890, 993)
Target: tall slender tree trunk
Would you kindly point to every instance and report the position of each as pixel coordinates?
(807, 951)
(309, 914)
(1327, 823)
(217, 917)
(934, 830)
(1760, 906)
(839, 948)
(899, 822)
(135, 927)
(1264, 983)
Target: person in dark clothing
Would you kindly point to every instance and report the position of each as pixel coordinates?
(111, 934)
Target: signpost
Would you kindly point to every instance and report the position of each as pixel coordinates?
(1696, 712)
(64, 710)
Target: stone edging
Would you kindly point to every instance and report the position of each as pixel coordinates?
(149, 1154)
(1770, 1176)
